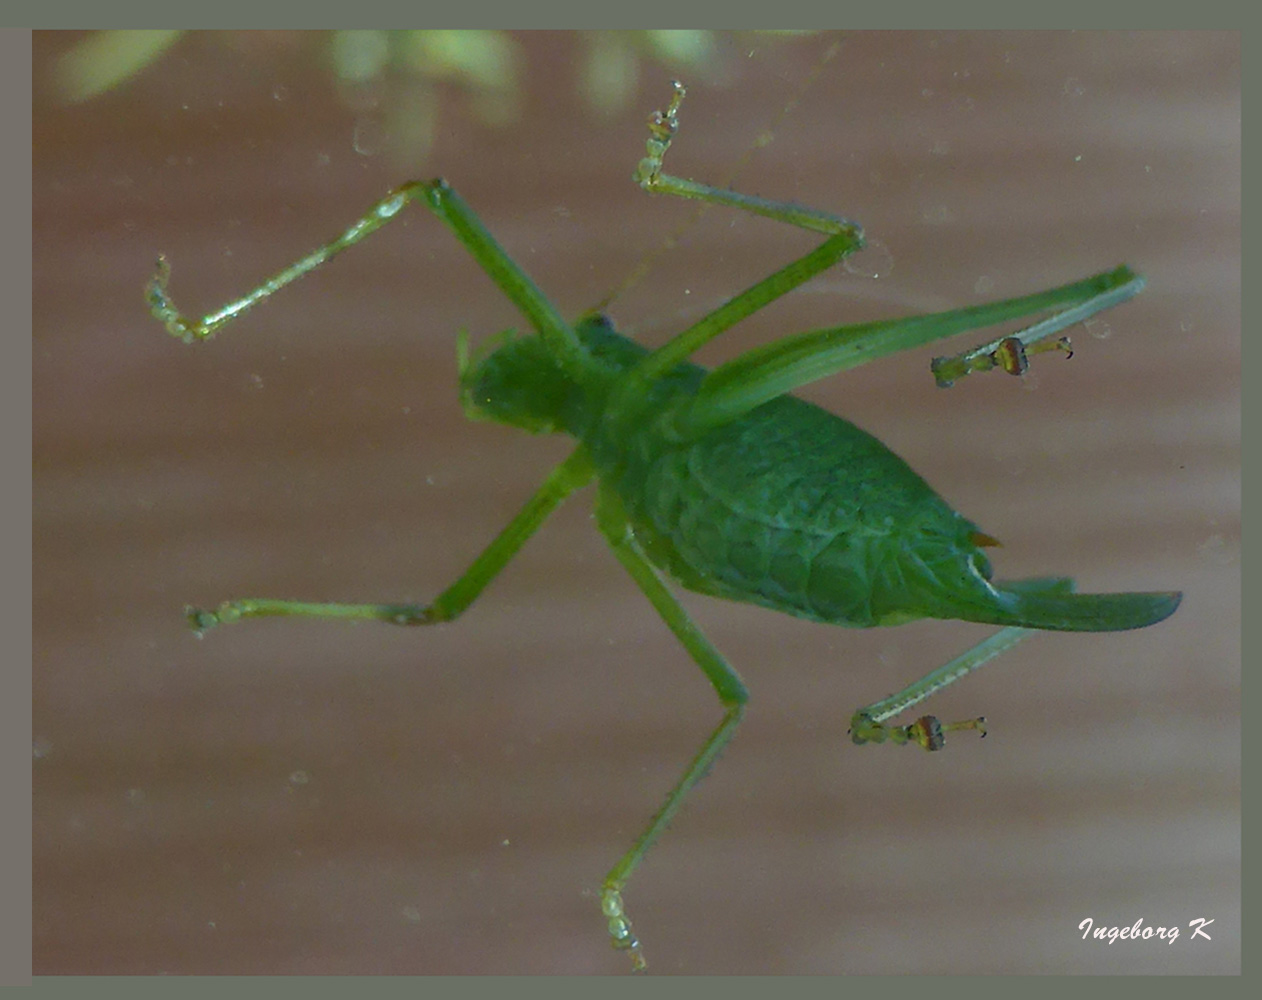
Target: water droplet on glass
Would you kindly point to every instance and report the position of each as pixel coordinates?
(1098, 328)
(873, 261)
(1214, 550)
(369, 137)
(937, 215)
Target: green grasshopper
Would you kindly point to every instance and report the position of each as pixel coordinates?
(722, 481)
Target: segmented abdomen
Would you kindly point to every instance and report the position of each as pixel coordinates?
(796, 509)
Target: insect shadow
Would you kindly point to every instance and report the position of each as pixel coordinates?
(722, 481)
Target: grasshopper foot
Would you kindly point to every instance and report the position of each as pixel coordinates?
(620, 930)
(927, 731)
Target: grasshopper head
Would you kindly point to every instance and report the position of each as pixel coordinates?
(513, 380)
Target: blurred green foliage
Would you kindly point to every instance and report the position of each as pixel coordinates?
(396, 80)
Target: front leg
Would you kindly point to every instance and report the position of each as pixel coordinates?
(442, 200)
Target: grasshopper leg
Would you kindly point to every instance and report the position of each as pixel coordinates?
(726, 682)
(662, 128)
(572, 474)
(868, 724)
(762, 373)
(443, 201)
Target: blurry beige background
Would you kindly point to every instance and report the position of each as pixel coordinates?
(289, 797)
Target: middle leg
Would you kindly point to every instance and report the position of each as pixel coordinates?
(726, 682)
